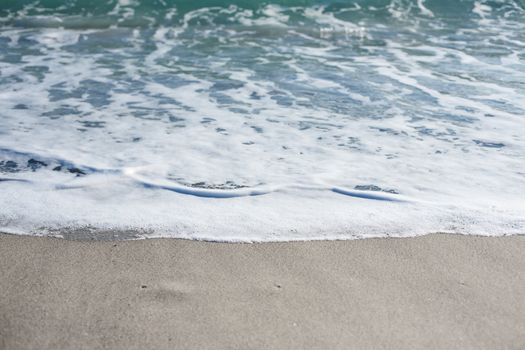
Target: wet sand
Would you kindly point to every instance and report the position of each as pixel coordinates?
(432, 292)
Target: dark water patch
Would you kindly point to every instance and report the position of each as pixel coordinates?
(71, 170)
(7, 179)
(319, 125)
(96, 93)
(34, 164)
(455, 118)
(489, 144)
(92, 124)
(223, 99)
(76, 171)
(223, 192)
(12, 58)
(257, 129)
(146, 113)
(350, 142)
(447, 135)
(227, 85)
(281, 98)
(37, 71)
(255, 96)
(61, 112)
(228, 185)
(8, 166)
(389, 131)
(93, 92)
(175, 119)
(59, 92)
(374, 188)
(14, 161)
(240, 111)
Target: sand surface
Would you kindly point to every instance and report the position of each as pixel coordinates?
(432, 292)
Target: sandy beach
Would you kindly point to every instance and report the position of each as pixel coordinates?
(433, 292)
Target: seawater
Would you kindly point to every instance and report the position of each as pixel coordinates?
(262, 121)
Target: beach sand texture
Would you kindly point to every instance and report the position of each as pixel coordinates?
(433, 292)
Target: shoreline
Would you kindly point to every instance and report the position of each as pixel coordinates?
(438, 291)
(83, 234)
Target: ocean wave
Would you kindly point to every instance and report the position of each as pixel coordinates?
(96, 14)
(262, 121)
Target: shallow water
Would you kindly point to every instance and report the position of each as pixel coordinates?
(249, 121)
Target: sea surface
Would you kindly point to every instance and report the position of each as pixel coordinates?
(270, 120)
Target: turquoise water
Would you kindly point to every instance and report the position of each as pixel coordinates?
(251, 120)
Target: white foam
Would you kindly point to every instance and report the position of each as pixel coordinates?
(424, 10)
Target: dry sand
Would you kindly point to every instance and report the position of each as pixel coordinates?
(432, 292)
